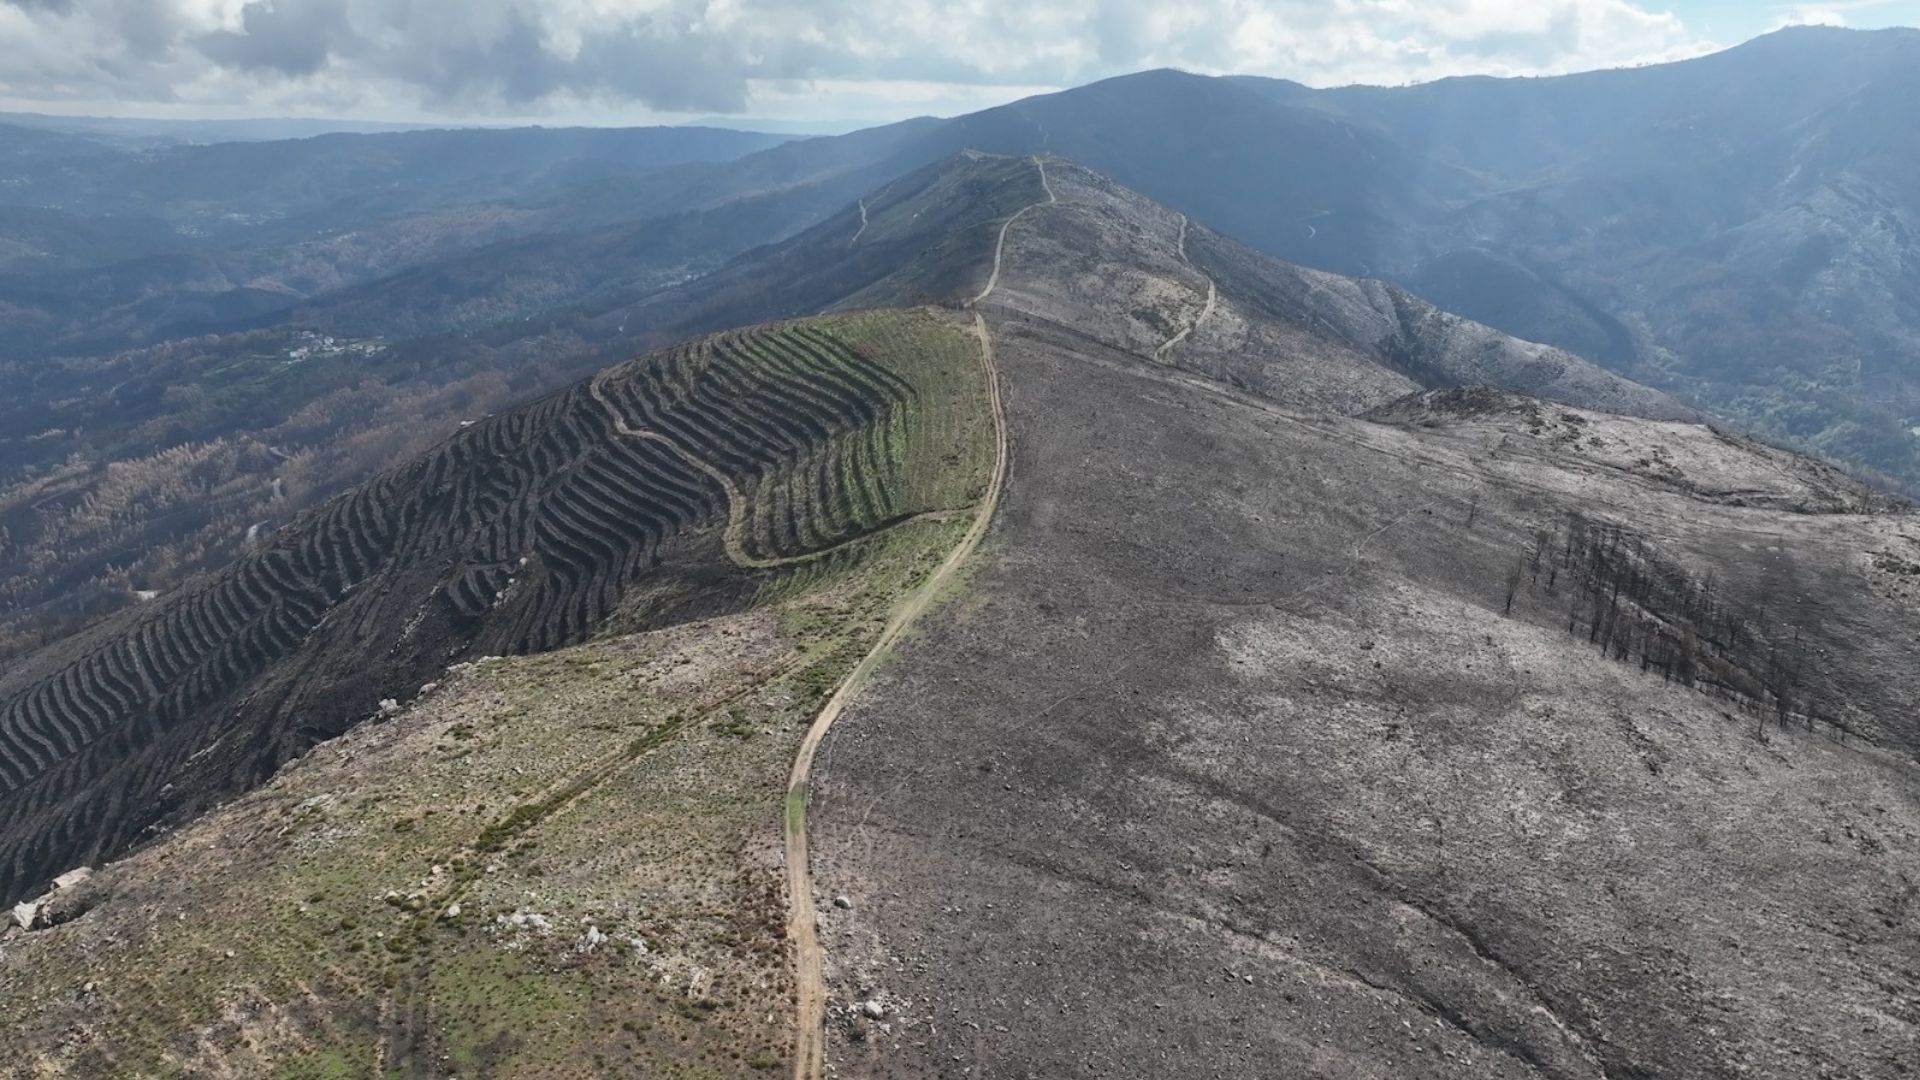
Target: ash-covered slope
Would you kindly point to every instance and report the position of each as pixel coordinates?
(924, 238)
(1129, 273)
(1136, 276)
(1701, 461)
(658, 489)
(1485, 738)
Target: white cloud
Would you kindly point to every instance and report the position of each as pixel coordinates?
(1805, 15)
(1846, 13)
(1392, 41)
(528, 57)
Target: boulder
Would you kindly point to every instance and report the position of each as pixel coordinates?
(73, 877)
(70, 901)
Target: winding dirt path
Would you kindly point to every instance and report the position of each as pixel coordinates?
(809, 1051)
(1000, 245)
(810, 987)
(734, 536)
(862, 230)
(736, 501)
(863, 222)
(1213, 298)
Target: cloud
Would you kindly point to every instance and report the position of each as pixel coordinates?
(1800, 15)
(522, 57)
(1835, 12)
(287, 39)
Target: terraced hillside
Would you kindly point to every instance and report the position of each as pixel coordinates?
(664, 489)
(564, 866)
(131, 475)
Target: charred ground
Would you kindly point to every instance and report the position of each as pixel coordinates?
(1480, 736)
(1259, 739)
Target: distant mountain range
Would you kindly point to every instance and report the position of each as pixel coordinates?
(201, 131)
(1736, 229)
(163, 132)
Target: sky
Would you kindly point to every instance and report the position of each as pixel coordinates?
(666, 61)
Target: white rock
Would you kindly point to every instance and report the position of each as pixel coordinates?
(24, 913)
(452, 912)
(528, 920)
(873, 1009)
(843, 903)
(73, 877)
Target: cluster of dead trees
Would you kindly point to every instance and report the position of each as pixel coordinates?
(1636, 607)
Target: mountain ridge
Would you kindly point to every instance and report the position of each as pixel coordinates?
(1583, 211)
(1114, 270)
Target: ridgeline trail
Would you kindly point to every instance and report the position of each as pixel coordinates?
(810, 991)
(862, 230)
(1000, 245)
(1213, 297)
(809, 1054)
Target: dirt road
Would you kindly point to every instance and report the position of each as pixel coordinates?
(1000, 245)
(810, 991)
(863, 223)
(809, 1055)
(1213, 297)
